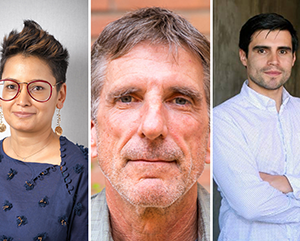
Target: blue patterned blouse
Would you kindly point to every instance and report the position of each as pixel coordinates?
(45, 201)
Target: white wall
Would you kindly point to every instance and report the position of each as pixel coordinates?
(68, 21)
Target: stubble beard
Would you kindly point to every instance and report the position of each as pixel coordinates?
(273, 83)
(160, 195)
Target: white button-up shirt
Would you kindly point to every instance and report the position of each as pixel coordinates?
(250, 136)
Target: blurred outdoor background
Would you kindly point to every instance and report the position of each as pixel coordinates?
(105, 11)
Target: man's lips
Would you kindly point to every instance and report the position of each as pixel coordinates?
(273, 72)
(154, 161)
(145, 164)
(153, 168)
(22, 114)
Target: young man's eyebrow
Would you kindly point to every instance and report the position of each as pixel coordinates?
(260, 47)
(268, 47)
(285, 48)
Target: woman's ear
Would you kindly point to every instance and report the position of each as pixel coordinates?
(61, 96)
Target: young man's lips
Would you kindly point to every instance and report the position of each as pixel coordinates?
(23, 114)
(273, 72)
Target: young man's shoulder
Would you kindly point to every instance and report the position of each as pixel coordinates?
(232, 105)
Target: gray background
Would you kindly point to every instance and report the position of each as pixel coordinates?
(68, 21)
(228, 72)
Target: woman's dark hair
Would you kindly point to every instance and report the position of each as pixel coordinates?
(34, 41)
(266, 21)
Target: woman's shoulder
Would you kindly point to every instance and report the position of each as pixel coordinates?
(73, 153)
(73, 149)
(74, 164)
(1, 141)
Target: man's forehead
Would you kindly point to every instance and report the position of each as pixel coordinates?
(171, 52)
(148, 60)
(270, 34)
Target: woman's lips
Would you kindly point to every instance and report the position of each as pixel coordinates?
(23, 114)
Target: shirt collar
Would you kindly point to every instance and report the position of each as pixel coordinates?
(203, 214)
(102, 215)
(261, 101)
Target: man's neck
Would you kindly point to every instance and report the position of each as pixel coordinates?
(276, 94)
(176, 222)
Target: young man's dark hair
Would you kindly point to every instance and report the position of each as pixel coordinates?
(265, 21)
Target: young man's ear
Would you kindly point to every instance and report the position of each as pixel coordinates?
(294, 58)
(243, 57)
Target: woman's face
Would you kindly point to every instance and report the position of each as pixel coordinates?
(23, 113)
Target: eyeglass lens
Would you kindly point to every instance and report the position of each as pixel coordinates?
(38, 90)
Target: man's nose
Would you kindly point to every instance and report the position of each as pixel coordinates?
(153, 121)
(273, 59)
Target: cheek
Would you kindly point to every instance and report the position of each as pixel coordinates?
(4, 106)
(114, 130)
(191, 135)
(251, 67)
(120, 124)
(5, 109)
(46, 110)
(188, 128)
(288, 64)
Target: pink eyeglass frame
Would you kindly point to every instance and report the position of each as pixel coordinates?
(19, 87)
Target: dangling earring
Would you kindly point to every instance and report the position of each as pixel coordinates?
(2, 125)
(58, 129)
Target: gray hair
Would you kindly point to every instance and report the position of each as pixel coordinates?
(156, 25)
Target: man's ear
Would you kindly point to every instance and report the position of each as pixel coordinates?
(294, 58)
(93, 151)
(243, 57)
(207, 158)
(61, 96)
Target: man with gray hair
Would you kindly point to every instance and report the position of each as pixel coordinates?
(150, 128)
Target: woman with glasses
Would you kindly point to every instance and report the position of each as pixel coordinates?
(43, 176)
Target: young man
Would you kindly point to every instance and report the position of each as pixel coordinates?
(150, 128)
(256, 139)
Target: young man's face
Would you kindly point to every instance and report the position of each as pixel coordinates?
(270, 59)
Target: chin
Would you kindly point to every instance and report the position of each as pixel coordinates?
(153, 193)
(24, 129)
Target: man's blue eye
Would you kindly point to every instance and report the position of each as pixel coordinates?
(180, 101)
(126, 99)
